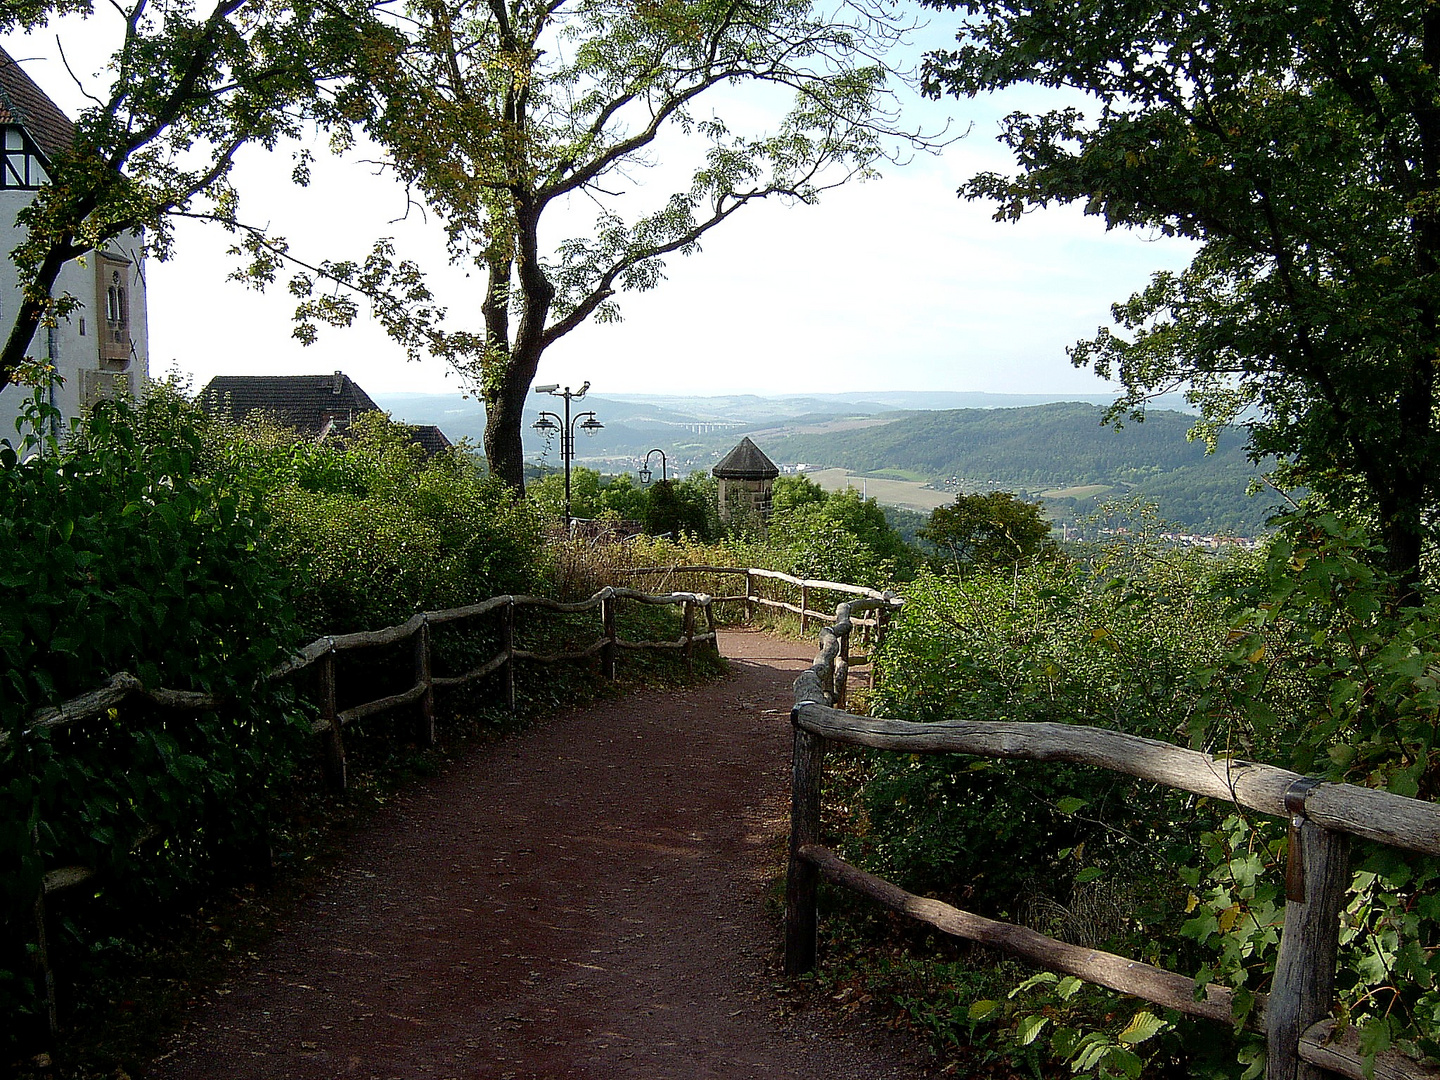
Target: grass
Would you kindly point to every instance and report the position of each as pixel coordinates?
(1083, 491)
(911, 494)
(908, 475)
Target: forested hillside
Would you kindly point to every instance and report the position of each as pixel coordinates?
(1053, 449)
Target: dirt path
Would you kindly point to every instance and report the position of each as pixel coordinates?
(584, 900)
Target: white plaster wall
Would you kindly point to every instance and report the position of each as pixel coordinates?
(72, 351)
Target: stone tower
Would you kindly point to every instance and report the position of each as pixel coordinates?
(746, 476)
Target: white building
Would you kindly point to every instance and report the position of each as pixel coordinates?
(103, 347)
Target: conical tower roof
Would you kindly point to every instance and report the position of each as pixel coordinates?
(746, 462)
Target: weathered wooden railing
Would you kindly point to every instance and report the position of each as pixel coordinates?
(1294, 1016)
(330, 723)
(752, 597)
(324, 650)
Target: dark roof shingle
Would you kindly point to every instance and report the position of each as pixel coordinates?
(23, 102)
(307, 403)
(746, 462)
(429, 438)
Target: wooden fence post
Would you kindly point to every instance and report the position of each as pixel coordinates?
(710, 624)
(507, 643)
(334, 743)
(802, 879)
(42, 948)
(842, 668)
(749, 597)
(1303, 990)
(422, 678)
(690, 636)
(882, 624)
(607, 623)
(804, 608)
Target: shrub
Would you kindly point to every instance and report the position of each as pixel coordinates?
(376, 531)
(1307, 657)
(1058, 642)
(124, 557)
(835, 536)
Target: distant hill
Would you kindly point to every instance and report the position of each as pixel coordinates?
(1061, 451)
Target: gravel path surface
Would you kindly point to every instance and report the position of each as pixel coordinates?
(587, 899)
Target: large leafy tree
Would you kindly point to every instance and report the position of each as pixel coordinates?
(501, 113)
(189, 87)
(988, 529)
(1299, 144)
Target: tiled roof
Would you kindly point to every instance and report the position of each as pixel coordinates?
(24, 103)
(429, 438)
(307, 403)
(746, 462)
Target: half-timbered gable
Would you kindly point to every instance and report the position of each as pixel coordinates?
(34, 128)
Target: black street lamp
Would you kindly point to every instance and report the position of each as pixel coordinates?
(550, 421)
(646, 474)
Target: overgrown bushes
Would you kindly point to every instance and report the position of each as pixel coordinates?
(1302, 657)
(124, 556)
(373, 530)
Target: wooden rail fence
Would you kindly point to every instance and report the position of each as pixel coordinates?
(331, 722)
(752, 596)
(1301, 1040)
(323, 652)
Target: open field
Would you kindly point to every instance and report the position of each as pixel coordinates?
(1083, 491)
(906, 493)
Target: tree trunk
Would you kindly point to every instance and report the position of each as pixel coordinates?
(504, 396)
(31, 312)
(507, 382)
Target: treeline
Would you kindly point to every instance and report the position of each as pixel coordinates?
(1048, 447)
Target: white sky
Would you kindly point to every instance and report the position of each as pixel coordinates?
(894, 284)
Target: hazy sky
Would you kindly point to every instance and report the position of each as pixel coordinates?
(891, 284)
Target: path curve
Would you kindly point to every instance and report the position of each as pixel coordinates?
(584, 900)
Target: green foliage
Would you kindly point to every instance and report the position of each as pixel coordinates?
(375, 531)
(835, 536)
(124, 556)
(1085, 855)
(688, 508)
(1056, 642)
(1301, 658)
(185, 92)
(495, 113)
(1296, 144)
(996, 529)
(666, 506)
(1326, 673)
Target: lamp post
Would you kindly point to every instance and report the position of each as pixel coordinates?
(550, 421)
(646, 474)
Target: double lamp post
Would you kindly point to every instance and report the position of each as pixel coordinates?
(550, 421)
